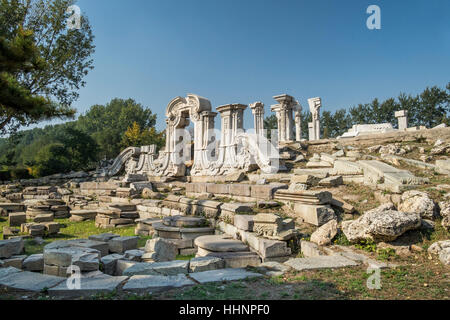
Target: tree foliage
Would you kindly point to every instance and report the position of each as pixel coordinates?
(429, 108)
(42, 63)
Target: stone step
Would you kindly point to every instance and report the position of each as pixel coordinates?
(88, 287)
(322, 262)
(223, 275)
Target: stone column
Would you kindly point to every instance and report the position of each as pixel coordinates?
(402, 117)
(258, 116)
(298, 123)
(285, 119)
(232, 123)
(314, 108)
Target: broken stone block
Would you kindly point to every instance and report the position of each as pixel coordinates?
(15, 219)
(201, 264)
(11, 247)
(273, 248)
(109, 263)
(163, 250)
(52, 227)
(244, 222)
(34, 263)
(134, 255)
(381, 224)
(45, 217)
(14, 261)
(333, 181)
(267, 224)
(158, 268)
(316, 215)
(85, 258)
(310, 249)
(325, 233)
(418, 202)
(122, 244)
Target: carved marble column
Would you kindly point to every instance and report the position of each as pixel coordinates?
(298, 122)
(285, 118)
(258, 116)
(402, 117)
(232, 123)
(314, 107)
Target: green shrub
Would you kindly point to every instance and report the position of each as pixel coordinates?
(5, 175)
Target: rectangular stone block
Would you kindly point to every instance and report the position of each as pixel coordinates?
(215, 188)
(316, 215)
(265, 192)
(15, 219)
(242, 190)
(244, 222)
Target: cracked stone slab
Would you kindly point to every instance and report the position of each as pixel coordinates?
(28, 281)
(155, 283)
(88, 286)
(223, 275)
(322, 262)
(158, 268)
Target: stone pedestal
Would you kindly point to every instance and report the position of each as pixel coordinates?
(402, 117)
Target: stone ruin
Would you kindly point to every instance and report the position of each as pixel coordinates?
(227, 208)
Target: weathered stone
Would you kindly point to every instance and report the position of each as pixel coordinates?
(310, 249)
(89, 286)
(381, 224)
(273, 268)
(11, 247)
(158, 268)
(242, 190)
(14, 261)
(109, 263)
(164, 250)
(325, 233)
(35, 262)
(333, 181)
(15, 219)
(122, 265)
(201, 264)
(273, 248)
(322, 262)
(244, 222)
(134, 255)
(29, 281)
(85, 258)
(294, 187)
(316, 215)
(156, 283)
(220, 244)
(104, 237)
(122, 244)
(49, 217)
(418, 202)
(442, 249)
(223, 275)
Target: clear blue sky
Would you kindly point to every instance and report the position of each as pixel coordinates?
(243, 51)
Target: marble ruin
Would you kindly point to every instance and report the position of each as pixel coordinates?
(225, 201)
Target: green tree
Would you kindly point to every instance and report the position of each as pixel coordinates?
(107, 124)
(50, 69)
(135, 137)
(270, 123)
(51, 159)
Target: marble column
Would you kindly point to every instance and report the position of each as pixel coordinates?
(258, 116)
(285, 118)
(298, 123)
(314, 107)
(402, 117)
(232, 116)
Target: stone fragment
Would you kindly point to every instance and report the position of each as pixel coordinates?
(156, 283)
(89, 286)
(109, 263)
(223, 275)
(201, 264)
(333, 181)
(316, 215)
(163, 249)
(11, 247)
(29, 281)
(418, 202)
(122, 244)
(380, 224)
(441, 249)
(325, 233)
(322, 262)
(34, 262)
(158, 268)
(244, 222)
(15, 219)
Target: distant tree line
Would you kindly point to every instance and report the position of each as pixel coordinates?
(102, 132)
(429, 108)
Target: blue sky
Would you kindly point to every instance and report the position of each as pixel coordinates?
(250, 50)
